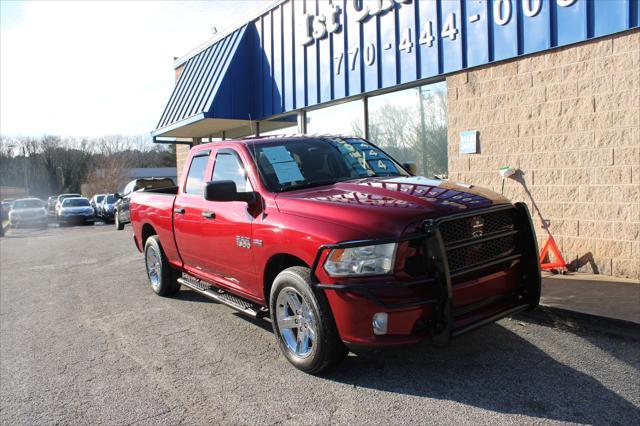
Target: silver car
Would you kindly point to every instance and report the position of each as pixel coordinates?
(27, 211)
(75, 210)
(61, 197)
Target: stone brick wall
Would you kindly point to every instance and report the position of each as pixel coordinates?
(569, 120)
(182, 151)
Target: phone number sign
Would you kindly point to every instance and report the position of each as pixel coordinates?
(319, 50)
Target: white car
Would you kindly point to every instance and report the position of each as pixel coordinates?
(76, 210)
(27, 211)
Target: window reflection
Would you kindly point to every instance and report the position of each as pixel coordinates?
(411, 125)
(287, 125)
(345, 119)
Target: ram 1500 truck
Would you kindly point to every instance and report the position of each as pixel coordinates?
(338, 243)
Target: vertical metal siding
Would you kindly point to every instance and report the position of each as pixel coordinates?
(288, 59)
(382, 51)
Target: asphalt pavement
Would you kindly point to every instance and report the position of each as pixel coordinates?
(84, 340)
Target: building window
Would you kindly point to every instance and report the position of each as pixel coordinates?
(287, 125)
(411, 125)
(343, 119)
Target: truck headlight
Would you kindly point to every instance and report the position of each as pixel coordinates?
(366, 260)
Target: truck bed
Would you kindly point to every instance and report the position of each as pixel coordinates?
(154, 208)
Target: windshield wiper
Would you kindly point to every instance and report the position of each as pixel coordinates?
(308, 185)
(386, 174)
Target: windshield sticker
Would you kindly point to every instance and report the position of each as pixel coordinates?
(277, 154)
(382, 166)
(287, 172)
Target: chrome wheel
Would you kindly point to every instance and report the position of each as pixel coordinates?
(154, 268)
(296, 322)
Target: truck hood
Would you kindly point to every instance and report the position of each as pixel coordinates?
(385, 206)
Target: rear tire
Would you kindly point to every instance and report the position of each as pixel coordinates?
(162, 276)
(303, 323)
(119, 226)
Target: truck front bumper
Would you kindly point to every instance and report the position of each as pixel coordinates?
(447, 302)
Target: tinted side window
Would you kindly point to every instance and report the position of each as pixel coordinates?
(195, 178)
(229, 167)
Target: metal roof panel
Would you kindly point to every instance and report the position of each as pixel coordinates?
(196, 88)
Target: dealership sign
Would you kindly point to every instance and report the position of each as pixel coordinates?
(310, 51)
(302, 53)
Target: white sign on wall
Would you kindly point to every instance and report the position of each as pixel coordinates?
(469, 142)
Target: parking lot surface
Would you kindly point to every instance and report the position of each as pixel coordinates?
(84, 340)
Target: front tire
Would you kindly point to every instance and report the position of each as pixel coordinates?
(119, 226)
(303, 323)
(162, 277)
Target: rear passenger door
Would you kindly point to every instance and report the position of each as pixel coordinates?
(187, 214)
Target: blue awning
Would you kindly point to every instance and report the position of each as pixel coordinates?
(200, 83)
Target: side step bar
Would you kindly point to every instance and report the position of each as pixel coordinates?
(241, 305)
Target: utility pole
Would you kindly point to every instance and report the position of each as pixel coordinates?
(25, 179)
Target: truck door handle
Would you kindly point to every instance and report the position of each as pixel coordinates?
(209, 215)
(179, 210)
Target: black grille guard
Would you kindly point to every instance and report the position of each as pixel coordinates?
(528, 293)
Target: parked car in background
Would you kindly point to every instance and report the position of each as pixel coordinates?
(106, 208)
(28, 211)
(61, 197)
(95, 202)
(75, 210)
(121, 214)
(6, 206)
(51, 205)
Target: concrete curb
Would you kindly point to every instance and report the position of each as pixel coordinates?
(580, 321)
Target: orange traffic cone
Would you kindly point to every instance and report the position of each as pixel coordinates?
(549, 248)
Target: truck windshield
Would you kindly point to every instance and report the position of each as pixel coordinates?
(303, 163)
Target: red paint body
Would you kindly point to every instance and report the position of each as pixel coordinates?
(297, 223)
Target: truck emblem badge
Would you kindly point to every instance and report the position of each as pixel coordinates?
(477, 226)
(244, 242)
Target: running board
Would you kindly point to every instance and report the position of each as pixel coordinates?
(241, 305)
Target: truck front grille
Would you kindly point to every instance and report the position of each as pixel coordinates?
(483, 224)
(473, 241)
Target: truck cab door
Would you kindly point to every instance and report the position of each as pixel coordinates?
(187, 215)
(226, 230)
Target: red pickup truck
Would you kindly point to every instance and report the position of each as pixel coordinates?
(338, 243)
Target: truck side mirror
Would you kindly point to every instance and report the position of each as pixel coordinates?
(411, 167)
(226, 190)
(117, 196)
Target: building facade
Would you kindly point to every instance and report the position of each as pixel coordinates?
(549, 88)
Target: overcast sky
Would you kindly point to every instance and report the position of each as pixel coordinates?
(94, 68)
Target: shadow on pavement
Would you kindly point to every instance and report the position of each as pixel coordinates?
(603, 333)
(192, 296)
(493, 369)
